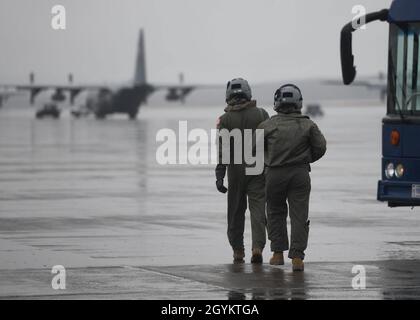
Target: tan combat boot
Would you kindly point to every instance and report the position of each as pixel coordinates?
(297, 264)
(277, 259)
(257, 256)
(238, 256)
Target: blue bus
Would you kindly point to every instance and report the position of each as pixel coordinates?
(400, 184)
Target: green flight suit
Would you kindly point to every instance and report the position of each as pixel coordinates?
(244, 115)
(292, 142)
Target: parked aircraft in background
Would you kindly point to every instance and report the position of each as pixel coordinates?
(104, 99)
(378, 83)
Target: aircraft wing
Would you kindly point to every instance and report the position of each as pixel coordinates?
(6, 93)
(362, 83)
(377, 82)
(35, 89)
(380, 85)
(355, 83)
(178, 92)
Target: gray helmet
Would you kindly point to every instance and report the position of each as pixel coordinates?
(288, 97)
(238, 88)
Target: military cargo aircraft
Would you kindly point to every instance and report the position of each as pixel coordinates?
(105, 100)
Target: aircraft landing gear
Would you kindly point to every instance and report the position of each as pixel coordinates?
(132, 115)
(100, 116)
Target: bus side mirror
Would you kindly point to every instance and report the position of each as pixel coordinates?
(347, 59)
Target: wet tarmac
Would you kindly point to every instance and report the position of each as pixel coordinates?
(89, 195)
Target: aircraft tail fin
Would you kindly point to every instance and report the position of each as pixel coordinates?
(140, 74)
(32, 77)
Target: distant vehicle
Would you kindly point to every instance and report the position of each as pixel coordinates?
(400, 184)
(314, 110)
(49, 110)
(121, 99)
(80, 112)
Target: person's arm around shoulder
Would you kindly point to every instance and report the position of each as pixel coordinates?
(266, 116)
(262, 126)
(317, 141)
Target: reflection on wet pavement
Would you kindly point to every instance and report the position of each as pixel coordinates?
(384, 280)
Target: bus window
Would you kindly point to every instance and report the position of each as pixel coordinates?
(404, 73)
(416, 72)
(399, 87)
(413, 101)
(409, 72)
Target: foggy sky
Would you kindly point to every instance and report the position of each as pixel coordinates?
(211, 41)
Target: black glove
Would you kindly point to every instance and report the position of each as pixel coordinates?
(220, 175)
(220, 171)
(220, 186)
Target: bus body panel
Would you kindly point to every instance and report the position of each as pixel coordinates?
(403, 191)
(388, 150)
(411, 141)
(409, 146)
(397, 194)
(411, 169)
(404, 11)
